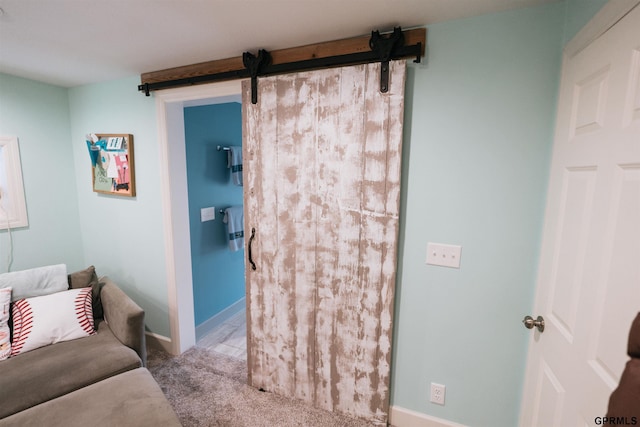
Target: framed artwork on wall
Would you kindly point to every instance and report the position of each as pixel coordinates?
(112, 164)
(13, 209)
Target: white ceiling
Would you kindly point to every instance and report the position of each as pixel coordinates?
(76, 42)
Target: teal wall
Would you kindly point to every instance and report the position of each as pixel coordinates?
(218, 273)
(123, 237)
(478, 137)
(38, 114)
(578, 13)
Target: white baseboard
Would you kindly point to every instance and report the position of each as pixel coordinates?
(401, 417)
(210, 324)
(159, 342)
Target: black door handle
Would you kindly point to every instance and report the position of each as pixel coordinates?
(253, 234)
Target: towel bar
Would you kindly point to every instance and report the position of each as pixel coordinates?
(221, 148)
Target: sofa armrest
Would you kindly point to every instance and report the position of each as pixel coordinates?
(124, 317)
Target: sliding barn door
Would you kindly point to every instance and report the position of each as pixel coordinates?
(322, 153)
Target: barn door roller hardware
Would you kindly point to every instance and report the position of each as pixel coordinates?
(254, 64)
(360, 50)
(384, 47)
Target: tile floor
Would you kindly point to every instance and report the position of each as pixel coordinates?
(229, 338)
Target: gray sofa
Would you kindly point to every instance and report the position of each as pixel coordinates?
(96, 380)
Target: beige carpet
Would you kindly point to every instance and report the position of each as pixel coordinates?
(209, 389)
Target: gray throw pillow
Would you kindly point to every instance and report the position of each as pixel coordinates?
(88, 278)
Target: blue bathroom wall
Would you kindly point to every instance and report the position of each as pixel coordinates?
(218, 273)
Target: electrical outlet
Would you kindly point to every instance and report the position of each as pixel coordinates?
(437, 393)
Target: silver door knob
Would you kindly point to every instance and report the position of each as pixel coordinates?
(529, 323)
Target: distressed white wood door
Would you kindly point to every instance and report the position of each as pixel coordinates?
(589, 275)
(322, 153)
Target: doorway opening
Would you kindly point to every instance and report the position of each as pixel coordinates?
(213, 137)
(170, 106)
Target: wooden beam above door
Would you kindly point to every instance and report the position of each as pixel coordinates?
(233, 68)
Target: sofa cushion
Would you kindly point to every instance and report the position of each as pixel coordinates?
(49, 319)
(130, 399)
(82, 278)
(52, 371)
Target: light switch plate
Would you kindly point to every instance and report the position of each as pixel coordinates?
(444, 255)
(207, 214)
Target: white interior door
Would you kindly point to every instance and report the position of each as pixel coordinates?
(588, 287)
(322, 153)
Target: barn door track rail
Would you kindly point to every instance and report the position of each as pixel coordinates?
(359, 50)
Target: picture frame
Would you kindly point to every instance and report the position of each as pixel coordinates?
(112, 166)
(13, 207)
